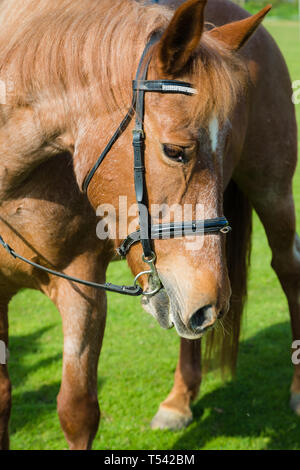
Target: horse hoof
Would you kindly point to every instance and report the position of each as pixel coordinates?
(167, 419)
(295, 403)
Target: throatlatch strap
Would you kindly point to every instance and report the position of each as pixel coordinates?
(110, 144)
(122, 127)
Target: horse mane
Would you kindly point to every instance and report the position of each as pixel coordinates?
(73, 51)
(220, 77)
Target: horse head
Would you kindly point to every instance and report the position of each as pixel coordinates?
(185, 149)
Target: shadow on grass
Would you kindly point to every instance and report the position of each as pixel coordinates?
(22, 346)
(32, 406)
(256, 403)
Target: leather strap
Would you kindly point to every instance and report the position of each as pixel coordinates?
(164, 86)
(110, 144)
(134, 290)
(124, 124)
(177, 230)
(139, 154)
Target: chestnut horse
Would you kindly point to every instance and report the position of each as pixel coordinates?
(68, 66)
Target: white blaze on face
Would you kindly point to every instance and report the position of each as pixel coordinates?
(214, 133)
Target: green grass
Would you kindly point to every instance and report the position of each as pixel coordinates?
(138, 361)
(280, 9)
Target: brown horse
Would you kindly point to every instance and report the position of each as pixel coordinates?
(68, 67)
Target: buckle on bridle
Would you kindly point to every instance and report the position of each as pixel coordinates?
(226, 229)
(138, 133)
(152, 272)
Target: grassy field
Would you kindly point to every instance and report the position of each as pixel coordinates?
(280, 9)
(138, 361)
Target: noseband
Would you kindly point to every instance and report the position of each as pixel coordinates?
(146, 231)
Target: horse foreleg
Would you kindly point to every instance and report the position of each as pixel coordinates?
(77, 402)
(294, 305)
(175, 412)
(83, 313)
(278, 219)
(5, 386)
(287, 268)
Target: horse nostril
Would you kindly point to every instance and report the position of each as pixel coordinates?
(202, 319)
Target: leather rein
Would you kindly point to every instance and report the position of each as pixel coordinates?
(146, 232)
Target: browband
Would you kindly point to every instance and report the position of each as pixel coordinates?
(164, 86)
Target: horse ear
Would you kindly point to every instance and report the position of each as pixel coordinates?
(234, 35)
(181, 36)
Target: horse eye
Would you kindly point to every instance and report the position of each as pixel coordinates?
(175, 153)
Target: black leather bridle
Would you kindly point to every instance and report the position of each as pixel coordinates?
(146, 231)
